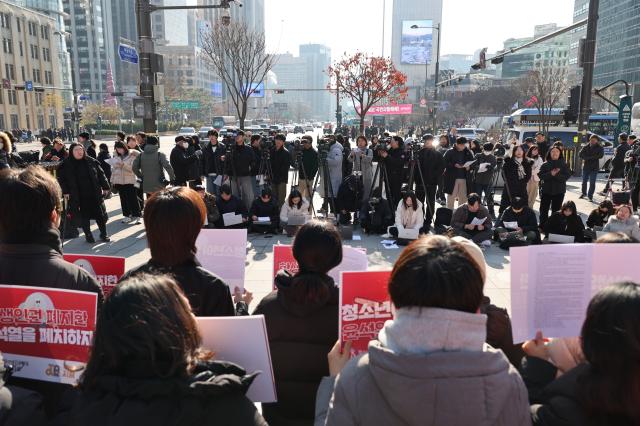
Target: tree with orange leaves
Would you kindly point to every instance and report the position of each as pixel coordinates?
(367, 80)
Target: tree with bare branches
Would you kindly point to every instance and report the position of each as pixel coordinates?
(543, 88)
(238, 56)
(367, 80)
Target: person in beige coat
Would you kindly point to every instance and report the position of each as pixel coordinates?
(124, 180)
(430, 365)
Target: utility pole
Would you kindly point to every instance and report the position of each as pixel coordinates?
(588, 60)
(434, 128)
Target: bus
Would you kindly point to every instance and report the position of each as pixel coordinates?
(635, 118)
(221, 121)
(604, 124)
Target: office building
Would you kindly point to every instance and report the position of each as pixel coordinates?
(413, 50)
(460, 64)
(318, 60)
(30, 69)
(124, 31)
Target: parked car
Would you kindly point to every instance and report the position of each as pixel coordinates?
(202, 133)
(308, 128)
(187, 131)
(473, 133)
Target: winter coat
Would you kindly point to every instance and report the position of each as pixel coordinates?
(150, 167)
(194, 171)
(233, 205)
(591, 155)
(334, 163)
(484, 178)
(516, 186)
(394, 163)
(39, 263)
(560, 224)
(280, 163)
(242, 161)
(213, 214)
(451, 173)
(536, 164)
(409, 218)
(19, 406)
(300, 336)
(597, 218)
(365, 165)
(554, 185)
(287, 210)
(89, 147)
(103, 158)
(61, 154)
(182, 161)
(261, 209)
(213, 395)
(211, 158)
(442, 386)
(122, 169)
(461, 214)
(208, 295)
(310, 164)
(526, 219)
(618, 156)
(84, 181)
(629, 226)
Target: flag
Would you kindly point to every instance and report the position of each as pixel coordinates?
(514, 106)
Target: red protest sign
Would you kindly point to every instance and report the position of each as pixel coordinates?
(364, 307)
(106, 269)
(46, 333)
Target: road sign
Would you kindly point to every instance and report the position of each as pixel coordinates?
(28, 86)
(444, 105)
(624, 115)
(185, 104)
(423, 103)
(128, 53)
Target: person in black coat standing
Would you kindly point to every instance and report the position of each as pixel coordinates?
(302, 324)
(83, 181)
(553, 174)
(213, 162)
(393, 161)
(181, 161)
(280, 163)
(195, 169)
(590, 155)
(516, 172)
(431, 166)
(455, 174)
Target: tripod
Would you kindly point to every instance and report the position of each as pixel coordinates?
(412, 167)
(230, 154)
(491, 190)
(382, 178)
(264, 169)
(295, 181)
(327, 187)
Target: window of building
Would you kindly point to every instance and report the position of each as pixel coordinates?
(48, 77)
(41, 121)
(2, 126)
(18, 25)
(10, 71)
(20, 47)
(13, 98)
(46, 55)
(28, 122)
(44, 32)
(38, 96)
(24, 75)
(14, 121)
(1, 102)
(5, 20)
(36, 75)
(52, 121)
(24, 95)
(33, 28)
(34, 51)
(7, 45)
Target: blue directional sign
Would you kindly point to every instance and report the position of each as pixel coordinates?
(28, 86)
(128, 53)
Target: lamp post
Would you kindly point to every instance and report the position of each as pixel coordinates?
(74, 90)
(437, 76)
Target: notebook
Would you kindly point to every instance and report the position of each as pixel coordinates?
(296, 220)
(408, 234)
(231, 219)
(563, 239)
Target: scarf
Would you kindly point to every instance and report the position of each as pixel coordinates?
(521, 173)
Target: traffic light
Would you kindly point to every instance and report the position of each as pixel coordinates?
(572, 109)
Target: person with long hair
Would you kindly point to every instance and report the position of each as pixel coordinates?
(604, 389)
(83, 181)
(409, 214)
(295, 205)
(124, 180)
(553, 174)
(533, 154)
(431, 357)
(362, 159)
(566, 221)
(173, 219)
(517, 173)
(148, 366)
(623, 221)
(302, 323)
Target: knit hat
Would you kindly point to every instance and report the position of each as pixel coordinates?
(476, 254)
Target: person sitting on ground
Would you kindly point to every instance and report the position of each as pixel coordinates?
(376, 215)
(229, 203)
(213, 214)
(600, 215)
(432, 352)
(566, 222)
(623, 221)
(31, 251)
(521, 214)
(148, 366)
(603, 389)
(294, 206)
(409, 214)
(302, 323)
(464, 216)
(264, 207)
(173, 219)
(616, 238)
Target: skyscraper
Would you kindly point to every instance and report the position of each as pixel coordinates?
(318, 59)
(124, 30)
(412, 47)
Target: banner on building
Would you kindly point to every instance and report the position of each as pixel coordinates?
(398, 109)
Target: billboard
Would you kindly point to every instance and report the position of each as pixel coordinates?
(416, 43)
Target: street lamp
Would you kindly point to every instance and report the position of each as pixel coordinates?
(426, 74)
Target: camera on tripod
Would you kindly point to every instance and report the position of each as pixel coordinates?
(267, 143)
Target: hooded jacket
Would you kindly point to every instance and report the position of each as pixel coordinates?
(150, 167)
(301, 334)
(213, 395)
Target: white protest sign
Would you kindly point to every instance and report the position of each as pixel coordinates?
(223, 252)
(243, 341)
(551, 285)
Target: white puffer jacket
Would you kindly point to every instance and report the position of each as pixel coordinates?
(287, 211)
(122, 169)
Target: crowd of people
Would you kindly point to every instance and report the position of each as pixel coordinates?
(446, 357)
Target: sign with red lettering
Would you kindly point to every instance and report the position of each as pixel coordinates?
(46, 333)
(353, 259)
(364, 307)
(106, 269)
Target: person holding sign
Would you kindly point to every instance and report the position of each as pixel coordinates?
(431, 353)
(233, 208)
(147, 365)
(472, 221)
(302, 323)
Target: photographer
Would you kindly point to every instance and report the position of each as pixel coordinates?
(256, 148)
(394, 162)
(334, 169)
(239, 168)
(309, 169)
(431, 166)
(362, 158)
(213, 162)
(181, 160)
(617, 164)
(347, 167)
(280, 163)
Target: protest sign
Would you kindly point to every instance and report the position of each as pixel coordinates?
(46, 333)
(243, 341)
(223, 252)
(106, 269)
(551, 285)
(364, 307)
(353, 259)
